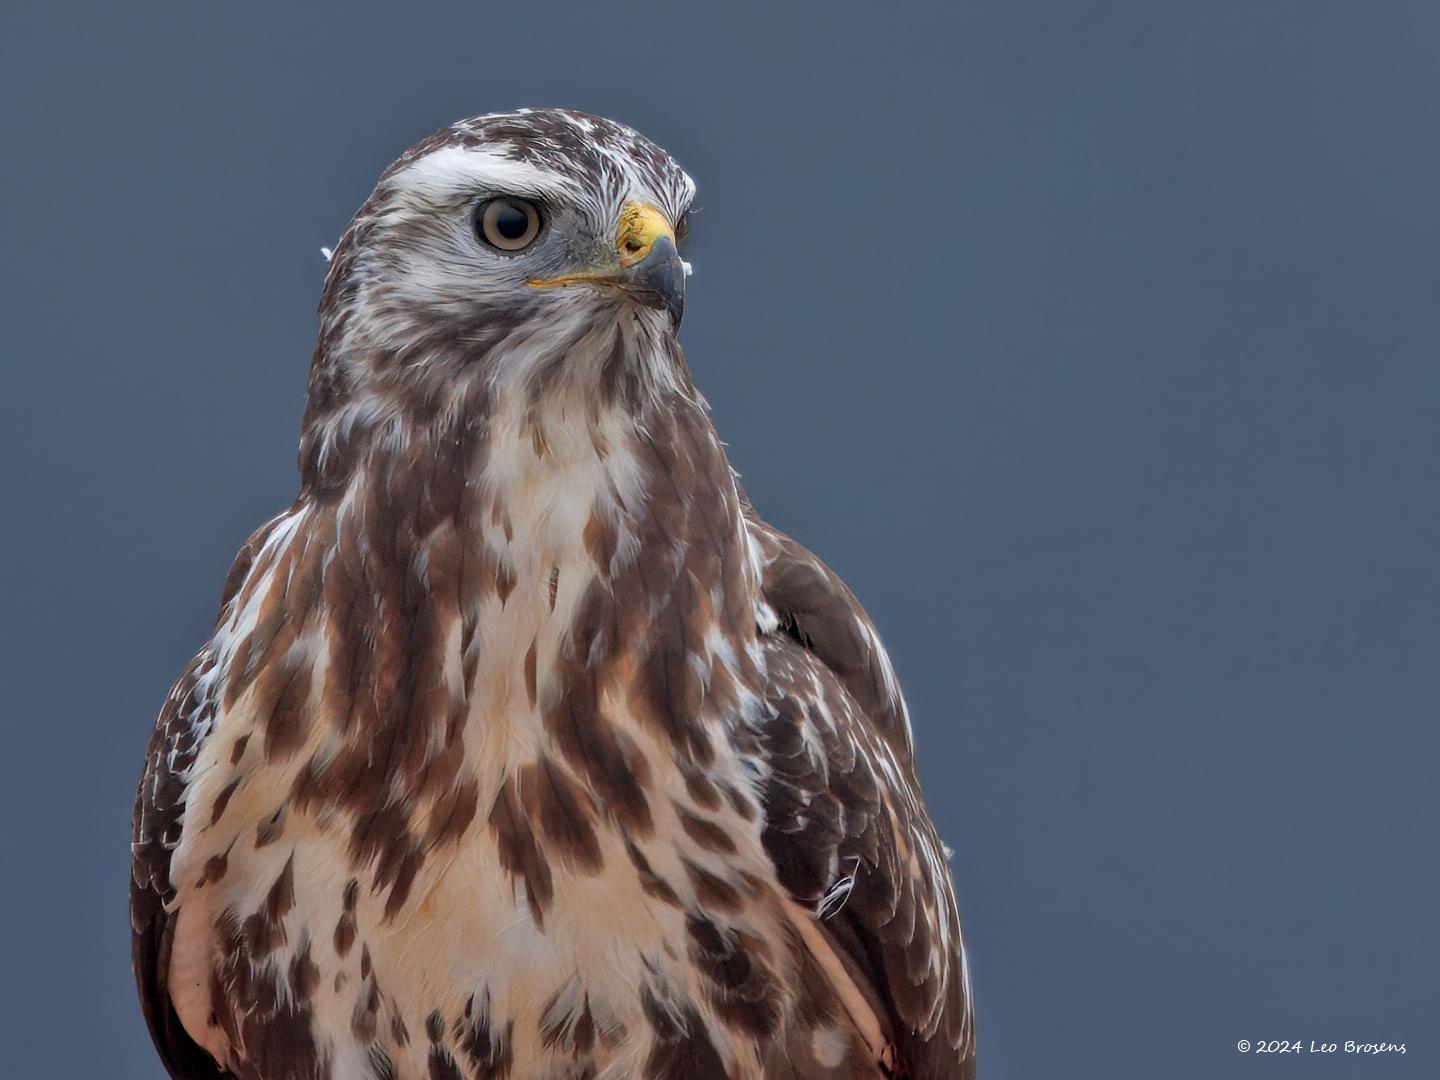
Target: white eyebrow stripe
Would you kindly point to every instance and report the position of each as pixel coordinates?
(454, 171)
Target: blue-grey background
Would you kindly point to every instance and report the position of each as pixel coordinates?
(1095, 344)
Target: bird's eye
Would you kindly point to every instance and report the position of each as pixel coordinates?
(507, 223)
(682, 228)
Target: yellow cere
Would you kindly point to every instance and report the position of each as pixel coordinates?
(640, 226)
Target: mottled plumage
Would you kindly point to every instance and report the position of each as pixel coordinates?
(522, 747)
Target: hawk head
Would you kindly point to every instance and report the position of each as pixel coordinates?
(539, 216)
(535, 249)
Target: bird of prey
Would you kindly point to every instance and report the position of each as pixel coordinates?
(523, 749)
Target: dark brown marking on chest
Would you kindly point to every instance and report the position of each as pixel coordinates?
(281, 693)
(568, 1026)
(237, 751)
(442, 1064)
(382, 840)
(711, 892)
(519, 854)
(742, 989)
(653, 884)
(564, 814)
(453, 813)
(530, 680)
(705, 832)
(214, 869)
(680, 1049)
(266, 1007)
(304, 973)
(742, 805)
(604, 755)
(600, 540)
(345, 929)
(365, 1019)
(700, 787)
(487, 1047)
(264, 930)
(380, 1064)
(271, 828)
(223, 800)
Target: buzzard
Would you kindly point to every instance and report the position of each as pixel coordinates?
(523, 748)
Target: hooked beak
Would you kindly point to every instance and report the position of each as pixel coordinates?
(658, 279)
(650, 271)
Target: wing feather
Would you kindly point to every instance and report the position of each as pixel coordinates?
(844, 821)
(159, 806)
(185, 721)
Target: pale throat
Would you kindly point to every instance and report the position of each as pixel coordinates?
(545, 470)
(565, 427)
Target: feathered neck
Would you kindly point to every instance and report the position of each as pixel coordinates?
(431, 403)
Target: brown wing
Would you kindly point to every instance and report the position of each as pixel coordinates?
(184, 722)
(158, 807)
(844, 821)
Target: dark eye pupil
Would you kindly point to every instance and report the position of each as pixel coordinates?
(510, 221)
